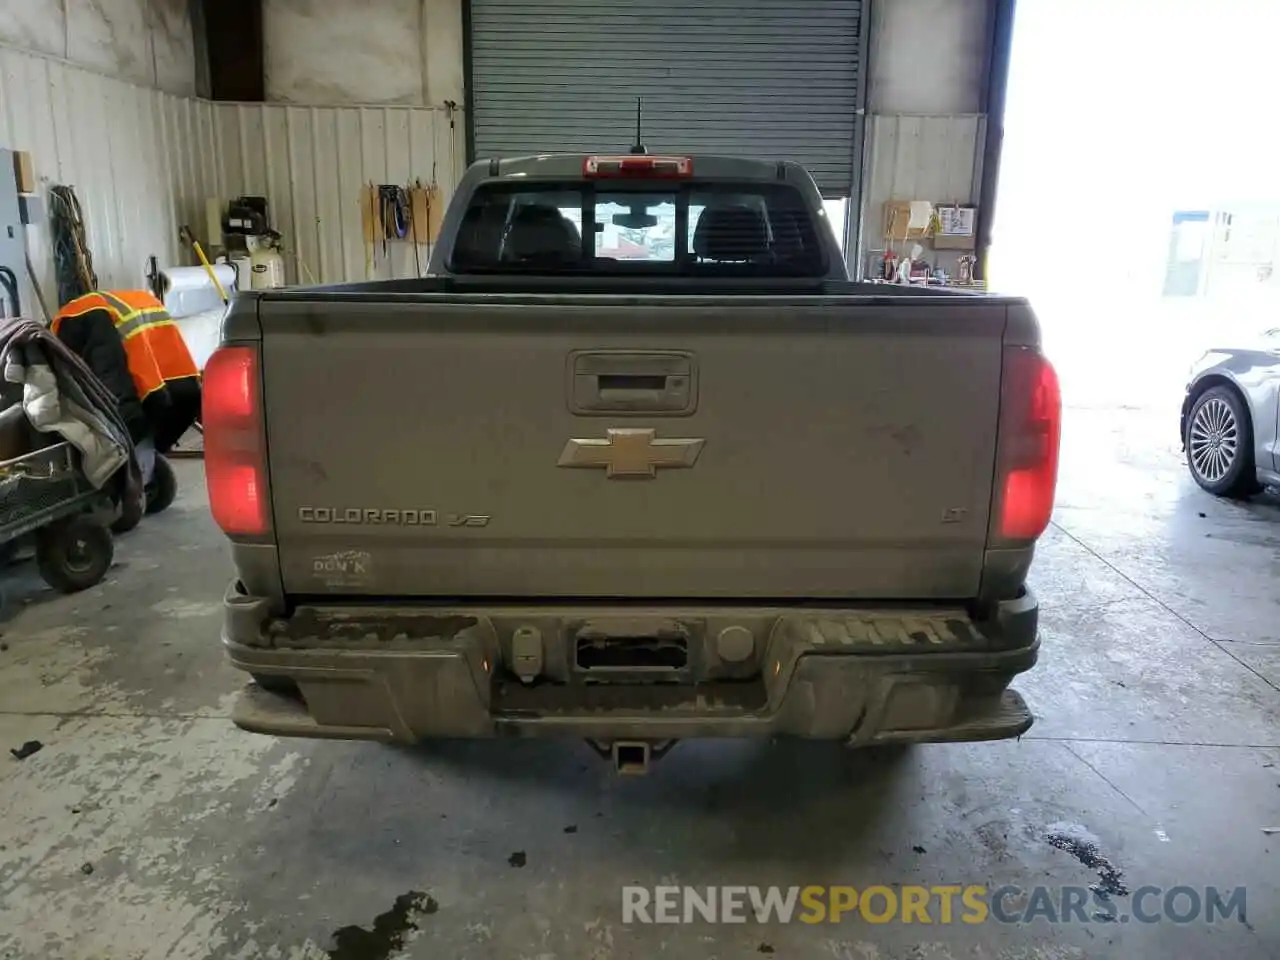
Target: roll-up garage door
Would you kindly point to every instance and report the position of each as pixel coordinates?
(755, 78)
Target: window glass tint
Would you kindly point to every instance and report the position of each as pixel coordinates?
(760, 230)
(539, 229)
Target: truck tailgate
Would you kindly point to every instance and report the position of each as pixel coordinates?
(647, 447)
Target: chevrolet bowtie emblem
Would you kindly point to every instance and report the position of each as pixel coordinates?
(630, 452)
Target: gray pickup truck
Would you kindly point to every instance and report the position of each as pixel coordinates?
(635, 462)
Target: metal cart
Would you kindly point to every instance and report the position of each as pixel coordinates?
(45, 493)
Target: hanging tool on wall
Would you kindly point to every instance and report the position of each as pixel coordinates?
(427, 209)
(396, 214)
(451, 110)
(415, 192)
(393, 204)
(11, 303)
(154, 283)
(370, 227)
(72, 260)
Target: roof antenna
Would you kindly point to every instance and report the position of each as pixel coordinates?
(637, 148)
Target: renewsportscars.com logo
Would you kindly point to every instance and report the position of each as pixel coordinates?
(940, 904)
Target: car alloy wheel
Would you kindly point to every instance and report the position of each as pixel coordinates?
(1214, 440)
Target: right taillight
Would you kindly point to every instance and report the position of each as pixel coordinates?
(1030, 433)
(234, 454)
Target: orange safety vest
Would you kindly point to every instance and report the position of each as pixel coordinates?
(153, 344)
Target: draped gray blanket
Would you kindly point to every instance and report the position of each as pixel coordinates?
(62, 396)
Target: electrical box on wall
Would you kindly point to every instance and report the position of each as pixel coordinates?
(30, 209)
(12, 249)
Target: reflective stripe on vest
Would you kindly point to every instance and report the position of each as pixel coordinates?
(131, 322)
(130, 319)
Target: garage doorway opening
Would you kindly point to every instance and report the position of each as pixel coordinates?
(1132, 129)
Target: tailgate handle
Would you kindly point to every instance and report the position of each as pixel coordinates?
(632, 386)
(624, 381)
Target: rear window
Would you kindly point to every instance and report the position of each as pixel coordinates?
(759, 230)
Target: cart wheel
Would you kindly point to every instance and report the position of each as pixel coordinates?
(74, 554)
(163, 488)
(130, 515)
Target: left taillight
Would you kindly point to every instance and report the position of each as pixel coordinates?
(235, 462)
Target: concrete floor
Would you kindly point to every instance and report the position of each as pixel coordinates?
(1158, 732)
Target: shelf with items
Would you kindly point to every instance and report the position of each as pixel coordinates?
(948, 228)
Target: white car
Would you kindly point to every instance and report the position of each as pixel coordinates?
(1231, 418)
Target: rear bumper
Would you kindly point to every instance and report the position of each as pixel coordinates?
(858, 675)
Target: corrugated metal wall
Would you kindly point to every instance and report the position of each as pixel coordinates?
(310, 164)
(936, 158)
(140, 161)
(144, 162)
